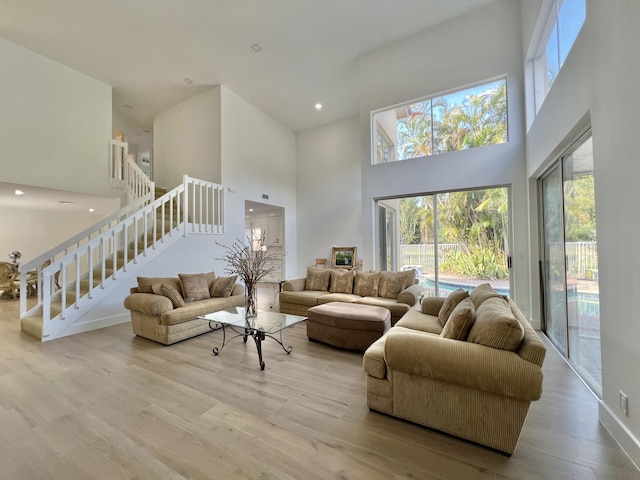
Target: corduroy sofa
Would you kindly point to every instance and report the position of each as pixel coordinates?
(467, 365)
(395, 291)
(165, 309)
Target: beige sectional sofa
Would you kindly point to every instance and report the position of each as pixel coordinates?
(164, 309)
(468, 365)
(396, 291)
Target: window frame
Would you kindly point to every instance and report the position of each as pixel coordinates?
(376, 126)
(538, 63)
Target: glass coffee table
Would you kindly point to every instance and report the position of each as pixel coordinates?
(264, 324)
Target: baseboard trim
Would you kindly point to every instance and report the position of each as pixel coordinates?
(620, 433)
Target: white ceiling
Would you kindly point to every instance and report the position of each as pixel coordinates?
(47, 199)
(146, 48)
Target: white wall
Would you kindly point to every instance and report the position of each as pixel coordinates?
(139, 141)
(186, 140)
(597, 86)
(55, 124)
(258, 158)
(473, 48)
(329, 186)
(33, 232)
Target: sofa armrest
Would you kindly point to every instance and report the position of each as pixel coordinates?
(238, 289)
(148, 303)
(432, 305)
(410, 294)
(295, 285)
(463, 363)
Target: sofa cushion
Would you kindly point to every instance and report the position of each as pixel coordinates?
(391, 284)
(366, 284)
(450, 303)
(317, 279)
(481, 293)
(223, 286)
(460, 321)
(415, 320)
(201, 307)
(145, 283)
(341, 281)
(496, 326)
(306, 298)
(169, 292)
(194, 286)
(338, 297)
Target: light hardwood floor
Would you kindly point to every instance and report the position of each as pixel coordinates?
(108, 405)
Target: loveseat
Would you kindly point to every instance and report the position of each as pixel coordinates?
(396, 291)
(165, 309)
(468, 365)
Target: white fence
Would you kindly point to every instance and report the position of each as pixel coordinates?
(582, 257)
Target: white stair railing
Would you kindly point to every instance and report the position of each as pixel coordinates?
(86, 267)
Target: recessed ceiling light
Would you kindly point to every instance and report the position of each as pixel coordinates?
(187, 80)
(130, 107)
(91, 210)
(65, 202)
(318, 106)
(19, 192)
(251, 209)
(256, 48)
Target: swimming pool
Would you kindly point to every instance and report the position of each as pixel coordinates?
(585, 304)
(447, 287)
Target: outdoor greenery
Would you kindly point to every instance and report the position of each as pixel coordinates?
(444, 124)
(580, 206)
(474, 220)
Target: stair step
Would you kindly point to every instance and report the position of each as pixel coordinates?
(120, 262)
(32, 326)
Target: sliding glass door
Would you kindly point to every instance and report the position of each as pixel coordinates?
(454, 239)
(570, 265)
(555, 295)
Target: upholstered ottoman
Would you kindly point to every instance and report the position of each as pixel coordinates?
(347, 325)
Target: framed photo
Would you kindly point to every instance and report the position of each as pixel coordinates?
(343, 257)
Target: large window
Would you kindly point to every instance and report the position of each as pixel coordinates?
(473, 117)
(453, 239)
(561, 27)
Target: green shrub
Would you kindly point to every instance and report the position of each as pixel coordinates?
(482, 263)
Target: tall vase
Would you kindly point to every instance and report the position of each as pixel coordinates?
(251, 296)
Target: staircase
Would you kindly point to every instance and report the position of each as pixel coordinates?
(91, 265)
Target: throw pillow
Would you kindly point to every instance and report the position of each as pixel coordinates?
(169, 292)
(223, 286)
(366, 284)
(211, 276)
(341, 281)
(450, 303)
(409, 277)
(145, 283)
(317, 279)
(481, 293)
(391, 284)
(460, 321)
(194, 286)
(496, 326)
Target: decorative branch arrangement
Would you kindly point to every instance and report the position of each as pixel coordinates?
(251, 263)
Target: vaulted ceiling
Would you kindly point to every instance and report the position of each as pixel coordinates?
(283, 56)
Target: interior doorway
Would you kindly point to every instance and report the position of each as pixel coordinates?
(265, 223)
